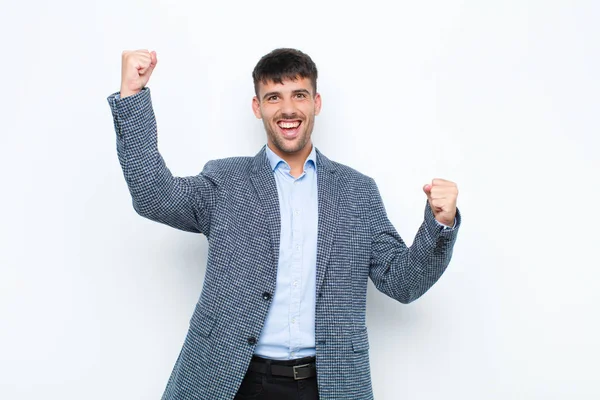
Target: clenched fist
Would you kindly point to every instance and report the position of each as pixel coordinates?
(136, 68)
(442, 195)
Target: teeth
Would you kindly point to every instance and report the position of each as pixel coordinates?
(289, 124)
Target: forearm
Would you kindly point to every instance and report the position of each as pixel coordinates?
(406, 273)
(413, 271)
(155, 193)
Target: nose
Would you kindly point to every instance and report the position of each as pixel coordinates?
(288, 109)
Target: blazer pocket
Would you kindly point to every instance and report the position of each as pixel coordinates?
(360, 340)
(202, 323)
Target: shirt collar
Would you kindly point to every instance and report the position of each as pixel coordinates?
(275, 160)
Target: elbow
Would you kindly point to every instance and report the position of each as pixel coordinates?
(408, 297)
(146, 209)
(403, 294)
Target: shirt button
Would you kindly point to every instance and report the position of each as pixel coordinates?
(266, 295)
(295, 283)
(252, 341)
(293, 320)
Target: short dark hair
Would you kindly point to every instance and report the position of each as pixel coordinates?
(282, 64)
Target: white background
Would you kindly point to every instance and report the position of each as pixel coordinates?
(501, 97)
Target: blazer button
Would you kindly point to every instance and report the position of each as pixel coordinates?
(251, 341)
(266, 295)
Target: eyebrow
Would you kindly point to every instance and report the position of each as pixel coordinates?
(293, 92)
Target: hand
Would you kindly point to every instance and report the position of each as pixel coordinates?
(442, 195)
(136, 68)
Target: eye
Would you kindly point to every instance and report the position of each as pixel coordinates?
(300, 95)
(272, 98)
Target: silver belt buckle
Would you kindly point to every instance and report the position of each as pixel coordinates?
(296, 371)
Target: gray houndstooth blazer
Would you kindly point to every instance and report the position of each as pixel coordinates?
(234, 203)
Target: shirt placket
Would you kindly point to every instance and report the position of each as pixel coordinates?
(296, 269)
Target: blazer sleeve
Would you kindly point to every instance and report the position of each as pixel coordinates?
(184, 203)
(406, 273)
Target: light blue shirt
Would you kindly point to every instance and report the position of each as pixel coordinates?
(289, 330)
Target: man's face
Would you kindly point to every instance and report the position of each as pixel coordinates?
(288, 112)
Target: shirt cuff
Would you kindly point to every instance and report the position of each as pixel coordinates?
(446, 227)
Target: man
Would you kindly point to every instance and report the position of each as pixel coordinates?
(293, 238)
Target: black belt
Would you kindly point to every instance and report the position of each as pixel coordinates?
(301, 371)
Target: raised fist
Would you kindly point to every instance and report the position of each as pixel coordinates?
(136, 68)
(442, 196)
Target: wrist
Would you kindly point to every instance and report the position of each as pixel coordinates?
(125, 92)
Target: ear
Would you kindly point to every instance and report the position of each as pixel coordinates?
(256, 107)
(317, 104)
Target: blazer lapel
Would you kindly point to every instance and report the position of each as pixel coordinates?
(264, 182)
(328, 213)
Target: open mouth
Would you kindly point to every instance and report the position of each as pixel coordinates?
(289, 129)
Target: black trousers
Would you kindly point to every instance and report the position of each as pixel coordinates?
(259, 386)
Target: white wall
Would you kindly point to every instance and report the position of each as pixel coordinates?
(501, 97)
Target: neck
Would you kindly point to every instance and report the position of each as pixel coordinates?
(295, 160)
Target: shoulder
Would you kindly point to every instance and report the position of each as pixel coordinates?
(229, 164)
(344, 173)
(223, 170)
